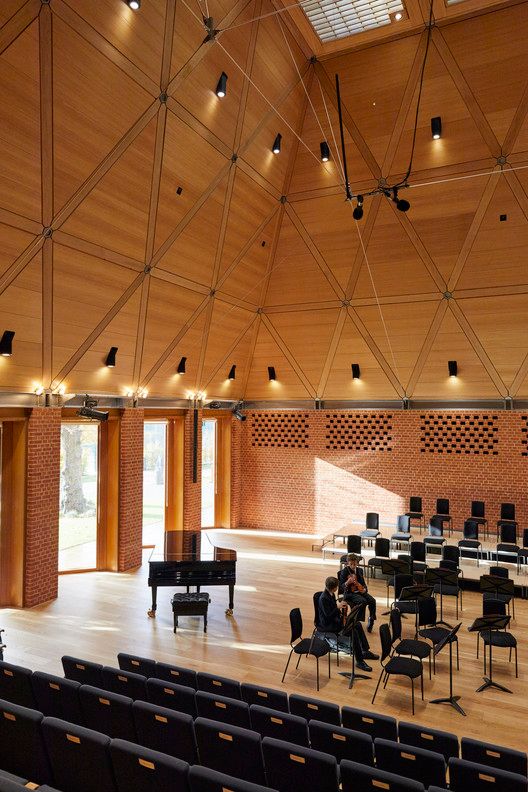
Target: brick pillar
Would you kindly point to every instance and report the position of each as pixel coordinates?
(237, 429)
(192, 491)
(42, 506)
(130, 489)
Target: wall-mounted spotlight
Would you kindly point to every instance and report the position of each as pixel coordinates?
(436, 127)
(221, 88)
(325, 151)
(277, 144)
(111, 357)
(6, 343)
(401, 204)
(181, 366)
(356, 371)
(231, 375)
(271, 373)
(237, 412)
(135, 5)
(452, 366)
(357, 214)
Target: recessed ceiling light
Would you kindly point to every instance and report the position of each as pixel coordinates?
(271, 373)
(452, 367)
(231, 375)
(398, 15)
(181, 366)
(135, 5)
(356, 371)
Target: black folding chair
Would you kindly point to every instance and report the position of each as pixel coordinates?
(305, 646)
(397, 666)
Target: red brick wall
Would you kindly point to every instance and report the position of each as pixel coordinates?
(192, 491)
(315, 489)
(130, 488)
(42, 506)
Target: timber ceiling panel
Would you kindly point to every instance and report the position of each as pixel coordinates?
(256, 260)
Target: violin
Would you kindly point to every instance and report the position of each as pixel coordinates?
(353, 585)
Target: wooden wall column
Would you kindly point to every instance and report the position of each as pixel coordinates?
(13, 512)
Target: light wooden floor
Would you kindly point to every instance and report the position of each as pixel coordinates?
(99, 614)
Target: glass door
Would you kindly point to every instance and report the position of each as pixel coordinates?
(79, 467)
(208, 473)
(154, 482)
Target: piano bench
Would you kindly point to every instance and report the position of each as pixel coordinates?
(193, 604)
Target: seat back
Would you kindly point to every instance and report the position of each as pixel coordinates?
(498, 571)
(441, 742)
(525, 538)
(230, 749)
(223, 709)
(415, 505)
(417, 551)
(372, 521)
(401, 582)
(315, 708)
(280, 725)
(494, 756)
(445, 563)
(126, 683)
(361, 778)
(341, 743)
(478, 509)
(404, 523)
(107, 712)
(16, 686)
(203, 779)
(22, 749)
(442, 506)
(57, 697)
(176, 697)
(293, 768)
(143, 770)
(79, 757)
(436, 526)
(451, 553)
(221, 686)
(296, 624)
(382, 547)
(409, 761)
(471, 530)
(493, 605)
(165, 730)
(372, 723)
(464, 775)
(176, 674)
(136, 664)
(266, 697)
(427, 612)
(83, 671)
(354, 544)
(508, 533)
(395, 624)
(507, 511)
(315, 600)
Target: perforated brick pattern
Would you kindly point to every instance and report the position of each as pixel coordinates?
(524, 435)
(476, 433)
(280, 430)
(359, 432)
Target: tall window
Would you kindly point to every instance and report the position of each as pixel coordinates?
(154, 481)
(78, 496)
(208, 473)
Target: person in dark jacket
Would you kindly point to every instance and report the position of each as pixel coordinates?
(355, 589)
(330, 619)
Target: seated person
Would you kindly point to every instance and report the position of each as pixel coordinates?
(330, 618)
(355, 589)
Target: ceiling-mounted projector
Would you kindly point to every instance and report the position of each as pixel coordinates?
(88, 410)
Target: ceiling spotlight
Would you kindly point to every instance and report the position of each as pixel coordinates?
(401, 204)
(237, 412)
(221, 88)
(6, 343)
(271, 373)
(452, 366)
(181, 366)
(111, 357)
(135, 5)
(325, 151)
(277, 144)
(231, 375)
(398, 15)
(436, 127)
(357, 214)
(356, 371)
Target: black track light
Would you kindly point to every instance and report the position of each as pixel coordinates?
(6, 343)
(221, 88)
(356, 371)
(325, 151)
(277, 144)
(135, 5)
(271, 373)
(452, 366)
(181, 366)
(111, 357)
(357, 214)
(436, 127)
(401, 204)
(231, 375)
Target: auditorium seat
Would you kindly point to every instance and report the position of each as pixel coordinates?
(10, 784)
(57, 697)
(83, 671)
(136, 664)
(441, 742)
(293, 768)
(230, 749)
(223, 709)
(15, 685)
(405, 760)
(165, 730)
(360, 778)
(341, 743)
(202, 779)
(383, 726)
(281, 725)
(126, 683)
(494, 755)
(176, 674)
(142, 770)
(80, 759)
(22, 748)
(266, 697)
(314, 708)
(107, 712)
(464, 775)
(177, 697)
(221, 686)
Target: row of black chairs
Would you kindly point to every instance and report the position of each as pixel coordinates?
(478, 513)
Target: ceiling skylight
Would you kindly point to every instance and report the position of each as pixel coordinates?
(335, 19)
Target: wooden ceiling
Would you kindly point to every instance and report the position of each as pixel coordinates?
(258, 261)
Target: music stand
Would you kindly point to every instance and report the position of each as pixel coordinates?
(453, 700)
(420, 591)
(498, 586)
(349, 631)
(489, 624)
(442, 577)
(393, 566)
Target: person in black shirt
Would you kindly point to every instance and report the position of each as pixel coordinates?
(355, 589)
(330, 618)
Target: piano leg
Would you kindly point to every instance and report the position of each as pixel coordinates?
(229, 611)
(152, 612)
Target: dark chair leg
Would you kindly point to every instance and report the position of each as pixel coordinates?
(317, 672)
(430, 677)
(516, 669)
(329, 664)
(412, 695)
(298, 661)
(377, 686)
(421, 680)
(287, 664)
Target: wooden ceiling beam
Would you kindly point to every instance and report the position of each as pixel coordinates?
(519, 378)
(297, 307)
(376, 351)
(200, 129)
(204, 341)
(157, 165)
(83, 246)
(179, 280)
(257, 8)
(516, 123)
(258, 178)
(314, 250)
(491, 291)
(334, 343)
(230, 351)
(140, 333)
(426, 347)
(20, 263)
(16, 24)
(266, 321)
(168, 39)
(14, 220)
(46, 113)
(251, 352)
(47, 313)
(421, 250)
(517, 189)
(237, 302)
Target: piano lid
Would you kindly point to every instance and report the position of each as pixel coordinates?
(190, 546)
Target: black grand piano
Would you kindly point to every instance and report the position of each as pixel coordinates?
(191, 559)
